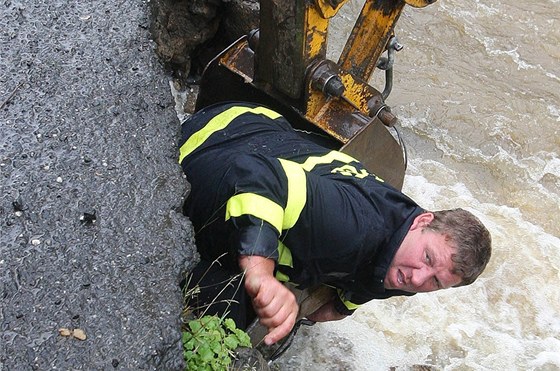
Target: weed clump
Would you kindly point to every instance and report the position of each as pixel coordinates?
(209, 341)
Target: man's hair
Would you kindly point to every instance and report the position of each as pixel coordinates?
(471, 239)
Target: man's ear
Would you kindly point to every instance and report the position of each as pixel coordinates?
(422, 220)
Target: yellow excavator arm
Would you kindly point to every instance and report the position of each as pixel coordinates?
(283, 64)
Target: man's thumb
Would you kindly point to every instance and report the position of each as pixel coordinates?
(252, 285)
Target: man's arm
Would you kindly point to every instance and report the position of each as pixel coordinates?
(275, 305)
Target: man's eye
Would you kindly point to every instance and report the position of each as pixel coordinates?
(428, 260)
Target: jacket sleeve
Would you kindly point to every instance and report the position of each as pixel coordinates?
(256, 208)
(342, 305)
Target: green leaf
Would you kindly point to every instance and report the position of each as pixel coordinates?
(216, 335)
(210, 322)
(209, 344)
(186, 336)
(188, 354)
(189, 345)
(244, 339)
(206, 354)
(195, 325)
(191, 365)
(229, 324)
(231, 342)
(216, 347)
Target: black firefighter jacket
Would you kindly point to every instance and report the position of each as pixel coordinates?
(259, 188)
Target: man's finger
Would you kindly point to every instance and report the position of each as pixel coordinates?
(267, 304)
(281, 331)
(274, 315)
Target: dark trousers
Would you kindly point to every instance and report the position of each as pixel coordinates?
(216, 290)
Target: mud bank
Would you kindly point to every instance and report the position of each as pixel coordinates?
(92, 237)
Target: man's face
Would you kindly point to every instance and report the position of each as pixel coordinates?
(423, 261)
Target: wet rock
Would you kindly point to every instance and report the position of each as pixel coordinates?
(188, 34)
(76, 333)
(249, 359)
(241, 16)
(88, 129)
(64, 332)
(79, 334)
(180, 26)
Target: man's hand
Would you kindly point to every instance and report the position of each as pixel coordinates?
(326, 313)
(275, 305)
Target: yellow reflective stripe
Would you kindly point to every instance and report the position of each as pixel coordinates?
(349, 170)
(311, 162)
(217, 123)
(282, 277)
(284, 258)
(285, 255)
(348, 304)
(257, 206)
(297, 192)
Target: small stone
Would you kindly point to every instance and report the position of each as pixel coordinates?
(18, 213)
(88, 218)
(79, 334)
(64, 332)
(35, 242)
(17, 205)
(59, 179)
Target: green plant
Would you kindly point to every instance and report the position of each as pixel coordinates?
(208, 343)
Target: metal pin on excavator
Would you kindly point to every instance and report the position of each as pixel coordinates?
(284, 66)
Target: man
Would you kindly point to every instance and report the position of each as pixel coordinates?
(269, 203)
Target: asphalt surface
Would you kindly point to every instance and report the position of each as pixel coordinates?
(91, 235)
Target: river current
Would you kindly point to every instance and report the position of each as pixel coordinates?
(477, 92)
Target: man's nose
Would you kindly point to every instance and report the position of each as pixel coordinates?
(420, 276)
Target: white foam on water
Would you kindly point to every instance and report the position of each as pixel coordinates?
(554, 111)
(509, 319)
(532, 178)
(505, 320)
(547, 357)
(520, 296)
(502, 321)
(552, 76)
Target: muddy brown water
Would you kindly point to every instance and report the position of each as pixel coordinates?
(477, 91)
